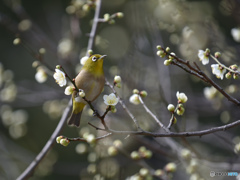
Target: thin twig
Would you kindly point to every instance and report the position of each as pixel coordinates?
(153, 115)
(94, 25)
(177, 134)
(84, 140)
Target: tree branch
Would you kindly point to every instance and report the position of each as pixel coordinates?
(30, 169)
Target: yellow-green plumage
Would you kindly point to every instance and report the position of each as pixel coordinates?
(91, 80)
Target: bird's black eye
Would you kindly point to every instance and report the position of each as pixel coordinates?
(94, 58)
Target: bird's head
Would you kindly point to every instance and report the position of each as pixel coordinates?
(94, 64)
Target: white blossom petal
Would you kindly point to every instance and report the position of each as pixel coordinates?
(134, 99)
(236, 34)
(110, 100)
(182, 98)
(202, 57)
(41, 76)
(60, 77)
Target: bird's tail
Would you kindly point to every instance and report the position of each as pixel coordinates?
(75, 119)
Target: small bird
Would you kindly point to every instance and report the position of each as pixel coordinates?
(91, 80)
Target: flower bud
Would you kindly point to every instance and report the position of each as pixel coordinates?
(58, 139)
(234, 67)
(112, 151)
(147, 154)
(235, 76)
(186, 154)
(171, 107)
(42, 50)
(180, 110)
(113, 109)
(159, 47)
(111, 21)
(82, 94)
(143, 93)
(237, 148)
(120, 15)
(174, 121)
(171, 57)
(106, 17)
(135, 155)
(228, 75)
(167, 62)
(90, 52)
(161, 53)
(35, 64)
(167, 49)
(117, 79)
(170, 167)
(182, 98)
(91, 139)
(135, 91)
(142, 149)
(143, 172)
(159, 172)
(117, 143)
(58, 66)
(69, 90)
(16, 41)
(64, 142)
(217, 54)
(118, 85)
(86, 7)
(134, 99)
(207, 51)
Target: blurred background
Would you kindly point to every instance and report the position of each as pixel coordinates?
(31, 107)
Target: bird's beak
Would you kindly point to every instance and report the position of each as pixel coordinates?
(103, 56)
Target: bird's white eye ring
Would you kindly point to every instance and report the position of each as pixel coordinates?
(94, 58)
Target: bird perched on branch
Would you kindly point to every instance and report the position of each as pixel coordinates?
(91, 80)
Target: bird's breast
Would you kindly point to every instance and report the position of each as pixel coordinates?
(91, 84)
